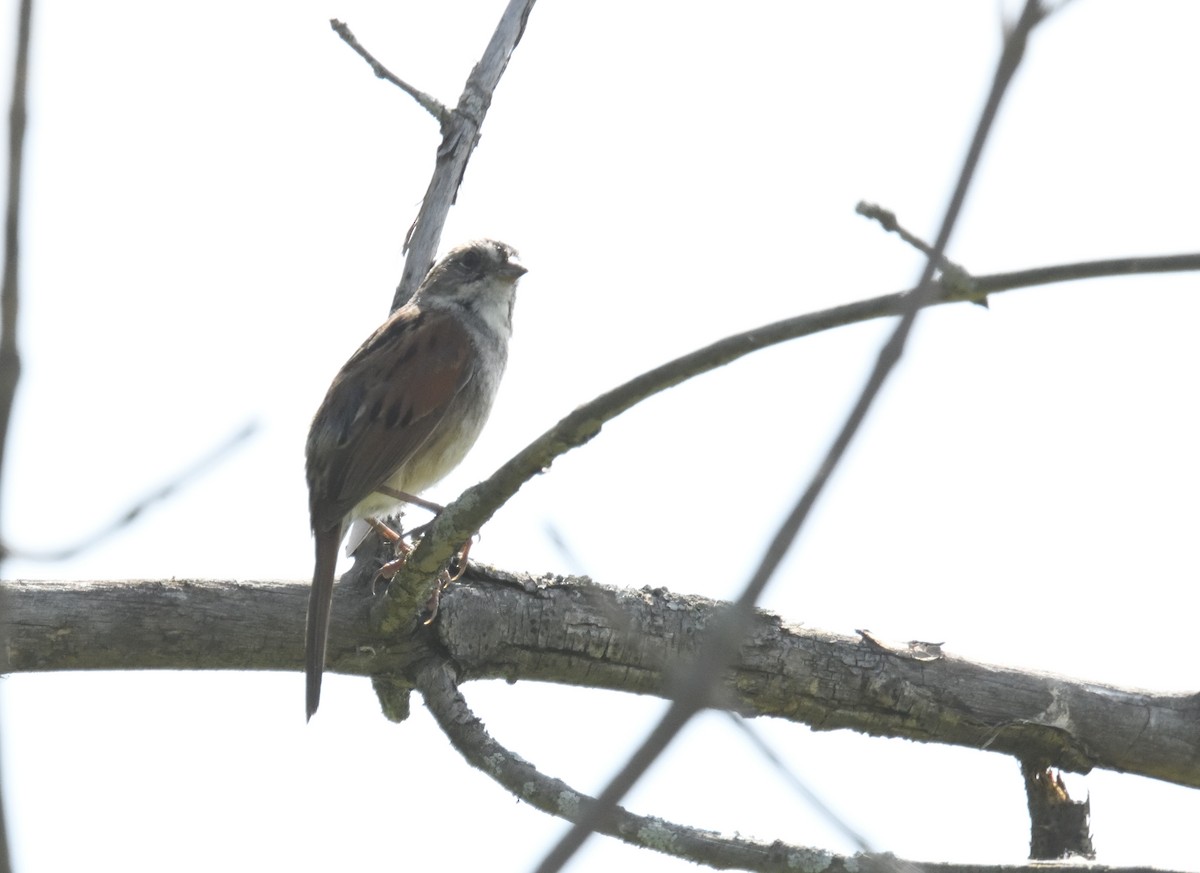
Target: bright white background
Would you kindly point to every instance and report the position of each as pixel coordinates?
(215, 202)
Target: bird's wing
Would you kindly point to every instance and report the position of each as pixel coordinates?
(381, 408)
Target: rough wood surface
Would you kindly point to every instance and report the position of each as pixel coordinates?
(575, 632)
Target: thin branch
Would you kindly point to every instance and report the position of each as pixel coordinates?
(1085, 270)
(696, 688)
(555, 797)
(10, 358)
(430, 104)
(460, 135)
(955, 278)
(888, 221)
(952, 274)
(126, 518)
(479, 503)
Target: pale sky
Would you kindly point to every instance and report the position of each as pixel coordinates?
(216, 199)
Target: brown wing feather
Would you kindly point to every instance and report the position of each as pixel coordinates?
(378, 411)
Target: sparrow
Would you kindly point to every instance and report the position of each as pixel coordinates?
(404, 410)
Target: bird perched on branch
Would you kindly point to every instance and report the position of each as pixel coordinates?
(404, 411)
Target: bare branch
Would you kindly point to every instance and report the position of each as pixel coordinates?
(430, 104)
(1084, 270)
(470, 738)
(575, 632)
(639, 641)
(10, 359)
(554, 797)
(888, 221)
(460, 135)
(126, 518)
(175, 624)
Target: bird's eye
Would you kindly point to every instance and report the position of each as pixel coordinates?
(472, 259)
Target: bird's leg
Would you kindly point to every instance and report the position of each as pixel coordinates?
(383, 530)
(392, 567)
(405, 497)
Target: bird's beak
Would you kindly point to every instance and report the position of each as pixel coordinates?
(513, 270)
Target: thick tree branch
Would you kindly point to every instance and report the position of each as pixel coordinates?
(575, 632)
(641, 641)
(178, 624)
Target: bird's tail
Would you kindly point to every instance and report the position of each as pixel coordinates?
(320, 603)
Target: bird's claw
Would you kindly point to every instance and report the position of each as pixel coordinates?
(445, 579)
(391, 568)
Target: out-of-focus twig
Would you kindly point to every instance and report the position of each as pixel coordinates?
(554, 797)
(162, 492)
(696, 688)
(10, 359)
(799, 785)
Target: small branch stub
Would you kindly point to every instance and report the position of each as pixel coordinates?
(1059, 826)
